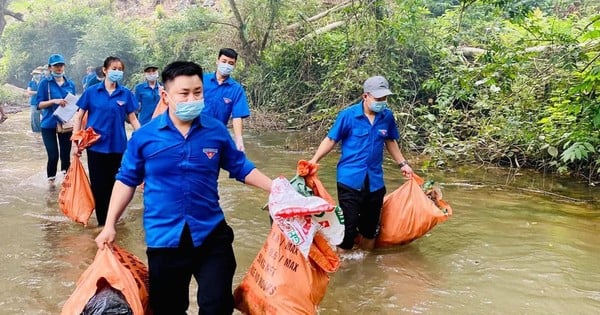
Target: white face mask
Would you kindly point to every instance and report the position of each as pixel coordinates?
(152, 77)
(225, 68)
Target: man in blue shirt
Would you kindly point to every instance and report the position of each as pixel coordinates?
(363, 129)
(147, 94)
(224, 97)
(178, 155)
(32, 87)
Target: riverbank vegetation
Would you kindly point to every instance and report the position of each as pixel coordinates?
(501, 82)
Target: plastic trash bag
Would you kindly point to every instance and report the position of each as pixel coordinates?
(292, 213)
(107, 301)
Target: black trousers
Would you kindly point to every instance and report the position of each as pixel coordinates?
(103, 168)
(362, 211)
(56, 149)
(212, 264)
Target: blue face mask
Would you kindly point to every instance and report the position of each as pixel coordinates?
(115, 75)
(57, 75)
(188, 111)
(225, 68)
(377, 106)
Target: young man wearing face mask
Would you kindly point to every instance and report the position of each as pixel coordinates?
(363, 130)
(224, 97)
(178, 155)
(148, 94)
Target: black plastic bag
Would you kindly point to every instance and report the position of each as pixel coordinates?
(107, 301)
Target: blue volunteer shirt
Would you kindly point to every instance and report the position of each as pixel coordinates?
(362, 145)
(33, 86)
(106, 115)
(147, 97)
(48, 89)
(180, 176)
(225, 100)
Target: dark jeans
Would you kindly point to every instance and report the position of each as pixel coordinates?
(362, 211)
(212, 264)
(56, 148)
(35, 119)
(103, 168)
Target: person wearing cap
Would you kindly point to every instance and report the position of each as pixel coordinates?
(31, 91)
(148, 94)
(363, 129)
(108, 105)
(51, 94)
(224, 97)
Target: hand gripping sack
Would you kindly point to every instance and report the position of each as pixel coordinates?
(118, 269)
(293, 212)
(281, 281)
(408, 214)
(332, 222)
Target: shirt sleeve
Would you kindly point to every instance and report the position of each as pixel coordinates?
(339, 130)
(240, 105)
(131, 172)
(82, 102)
(42, 94)
(132, 104)
(233, 160)
(393, 128)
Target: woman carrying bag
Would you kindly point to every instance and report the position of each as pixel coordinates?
(52, 91)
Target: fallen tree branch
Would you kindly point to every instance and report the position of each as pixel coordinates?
(323, 29)
(313, 18)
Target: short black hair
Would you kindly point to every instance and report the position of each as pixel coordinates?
(228, 52)
(179, 68)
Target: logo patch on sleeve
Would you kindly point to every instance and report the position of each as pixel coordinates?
(210, 152)
(227, 100)
(383, 132)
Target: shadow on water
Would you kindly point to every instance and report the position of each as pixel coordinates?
(519, 242)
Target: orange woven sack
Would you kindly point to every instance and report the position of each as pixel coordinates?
(122, 270)
(75, 198)
(408, 214)
(281, 281)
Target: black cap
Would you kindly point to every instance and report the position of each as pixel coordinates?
(150, 67)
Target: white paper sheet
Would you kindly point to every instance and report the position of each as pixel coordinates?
(65, 113)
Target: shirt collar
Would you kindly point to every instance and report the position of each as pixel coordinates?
(147, 84)
(118, 89)
(214, 79)
(358, 110)
(165, 121)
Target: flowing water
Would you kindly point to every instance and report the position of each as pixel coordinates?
(518, 242)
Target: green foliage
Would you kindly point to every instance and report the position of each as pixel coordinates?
(28, 44)
(511, 83)
(183, 37)
(108, 37)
